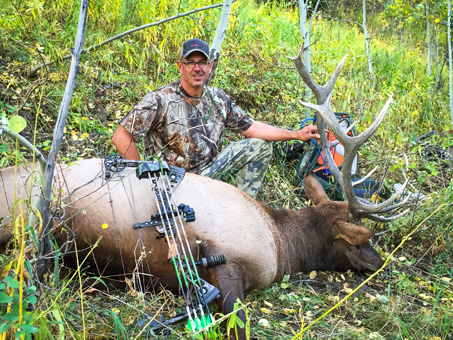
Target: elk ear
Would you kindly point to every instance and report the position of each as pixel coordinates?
(314, 190)
(350, 232)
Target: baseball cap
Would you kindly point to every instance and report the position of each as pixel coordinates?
(194, 45)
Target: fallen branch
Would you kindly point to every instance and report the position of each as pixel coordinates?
(91, 48)
(23, 141)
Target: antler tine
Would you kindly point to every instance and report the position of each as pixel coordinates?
(365, 135)
(361, 206)
(364, 178)
(387, 219)
(388, 209)
(352, 145)
(333, 79)
(328, 116)
(395, 206)
(321, 92)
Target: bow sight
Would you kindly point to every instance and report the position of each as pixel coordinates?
(168, 220)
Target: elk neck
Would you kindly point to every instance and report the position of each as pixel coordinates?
(303, 240)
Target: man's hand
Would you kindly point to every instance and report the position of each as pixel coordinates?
(308, 132)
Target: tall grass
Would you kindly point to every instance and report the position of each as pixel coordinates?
(254, 69)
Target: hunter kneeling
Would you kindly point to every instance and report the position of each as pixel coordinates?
(183, 123)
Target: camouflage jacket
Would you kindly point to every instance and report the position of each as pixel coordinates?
(183, 130)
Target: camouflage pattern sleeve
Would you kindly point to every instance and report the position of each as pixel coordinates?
(237, 120)
(143, 116)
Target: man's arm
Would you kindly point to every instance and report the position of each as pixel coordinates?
(125, 144)
(272, 133)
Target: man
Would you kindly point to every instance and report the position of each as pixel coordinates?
(183, 123)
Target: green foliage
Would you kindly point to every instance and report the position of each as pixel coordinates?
(120, 330)
(12, 316)
(254, 70)
(235, 322)
(411, 13)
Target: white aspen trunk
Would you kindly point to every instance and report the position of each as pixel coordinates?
(217, 43)
(428, 34)
(367, 41)
(450, 62)
(44, 242)
(436, 57)
(305, 34)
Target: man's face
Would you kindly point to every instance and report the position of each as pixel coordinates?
(193, 77)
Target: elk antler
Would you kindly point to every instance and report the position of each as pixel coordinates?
(359, 207)
(321, 94)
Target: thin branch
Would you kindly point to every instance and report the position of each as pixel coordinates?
(23, 141)
(91, 48)
(390, 27)
(343, 20)
(313, 15)
(268, 62)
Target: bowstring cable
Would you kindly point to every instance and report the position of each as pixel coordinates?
(202, 301)
(186, 250)
(175, 259)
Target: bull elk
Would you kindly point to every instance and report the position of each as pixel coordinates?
(261, 243)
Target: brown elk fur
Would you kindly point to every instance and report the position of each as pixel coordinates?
(262, 244)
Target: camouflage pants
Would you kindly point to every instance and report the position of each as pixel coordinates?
(244, 163)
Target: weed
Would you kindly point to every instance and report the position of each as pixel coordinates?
(412, 299)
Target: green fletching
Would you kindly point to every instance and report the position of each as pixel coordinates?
(202, 323)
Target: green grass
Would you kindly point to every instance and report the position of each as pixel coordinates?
(411, 299)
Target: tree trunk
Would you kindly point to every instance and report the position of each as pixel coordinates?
(44, 241)
(450, 66)
(367, 41)
(428, 35)
(305, 34)
(436, 57)
(216, 44)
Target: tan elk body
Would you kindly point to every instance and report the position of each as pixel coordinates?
(261, 243)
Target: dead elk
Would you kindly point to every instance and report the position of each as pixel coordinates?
(261, 244)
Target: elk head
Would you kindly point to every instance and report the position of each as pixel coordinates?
(358, 206)
(350, 248)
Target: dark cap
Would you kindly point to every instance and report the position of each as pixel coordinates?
(194, 45)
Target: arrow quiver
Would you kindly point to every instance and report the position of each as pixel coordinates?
(169, 222)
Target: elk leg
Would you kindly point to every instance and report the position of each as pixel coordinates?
(231, 285)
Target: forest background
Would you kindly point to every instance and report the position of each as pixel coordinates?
(411, 299)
